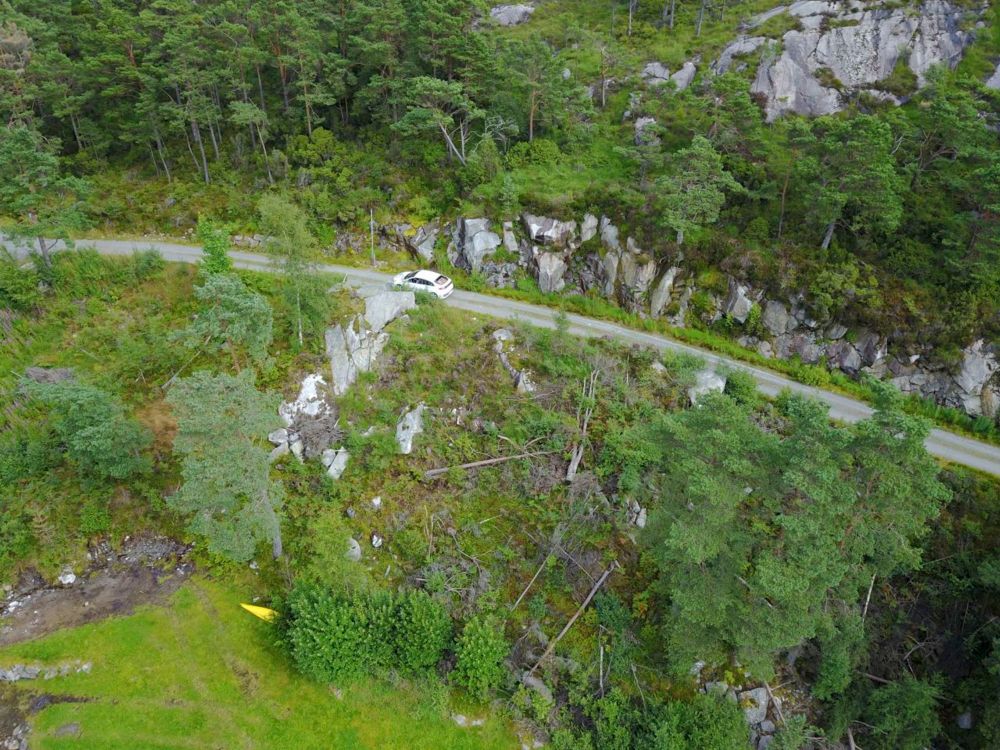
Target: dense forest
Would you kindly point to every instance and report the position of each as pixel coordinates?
(420, 109)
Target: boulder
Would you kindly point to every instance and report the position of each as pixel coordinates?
(642, 137)
(655, 74)
(738, 302)
(842, 355)
(422, 243)
(683, 77)
(776, 318)
(754, 703)
(802, 345)
(352, 349)
(547, 231)
(588, 229)
(383, 308)
(871, 347)
(659, 298)
(707, 381)
(511, 15)
(636, 277)
(335, 462)
(409, 426)
(472, 242)
(353, 552)
(509, 240)
(609, 268)
(551, 270)
(312, 402)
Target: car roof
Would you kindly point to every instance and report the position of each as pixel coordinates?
(427, 275)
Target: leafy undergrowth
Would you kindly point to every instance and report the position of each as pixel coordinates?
(202, 673)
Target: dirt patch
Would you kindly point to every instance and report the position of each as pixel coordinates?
(13, 726)
(143, 571)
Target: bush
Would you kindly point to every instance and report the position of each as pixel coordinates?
(741, 387)
(336, 637)
(100, 438)
(707, 723)
(422, 632)
(903, 715)
(481, 651)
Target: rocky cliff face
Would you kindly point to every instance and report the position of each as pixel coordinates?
(843, 48)
(592, 257)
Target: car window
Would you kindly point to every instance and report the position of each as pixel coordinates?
(441, 280)
(410, 275)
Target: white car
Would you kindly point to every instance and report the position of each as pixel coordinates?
(431, 282)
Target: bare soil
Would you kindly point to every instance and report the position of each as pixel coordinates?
(145, 570)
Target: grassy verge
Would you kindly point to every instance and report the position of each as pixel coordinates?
(202, 673)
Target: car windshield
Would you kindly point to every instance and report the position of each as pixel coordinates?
(410, 275)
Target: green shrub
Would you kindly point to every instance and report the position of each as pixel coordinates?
(903, 715)
(707, 722)
(327, 637)
(337, 637)
(100, 438)
(482, 648)
(422, 632)
(741, 387)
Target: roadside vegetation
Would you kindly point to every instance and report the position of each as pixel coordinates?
(765, 532)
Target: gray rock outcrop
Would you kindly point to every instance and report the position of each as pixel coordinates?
(511, 15)
(522, 378)
(589, 228)
(352, 349)
(659, 298)
(993, 82)
(547, 231)
(422, 243)
(655, 74)
(683, 77)
(551, 270)
(335, 462)
(384, 307)
(409, 426)
(645, 134)
(842, 48)
(707, 381)
(472, 242)
(738, 303)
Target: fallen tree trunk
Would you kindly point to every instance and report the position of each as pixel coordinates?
(432, 473)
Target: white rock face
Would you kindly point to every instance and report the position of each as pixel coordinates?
(383, 308)
(588, 229)
(743, 45)
(352, 350)
(859, 49)
(411, 425)
(551, 270)
(335, 462)
(423, 242)
(708, 382)
(511, 15)
(659, 298)
(312, 402)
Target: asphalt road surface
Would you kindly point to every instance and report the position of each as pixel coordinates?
(941, 443)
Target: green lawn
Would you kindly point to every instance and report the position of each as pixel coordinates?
(202, 674)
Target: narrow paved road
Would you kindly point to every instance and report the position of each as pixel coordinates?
(941, 443)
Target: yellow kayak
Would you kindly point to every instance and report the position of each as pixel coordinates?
(267, 615)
